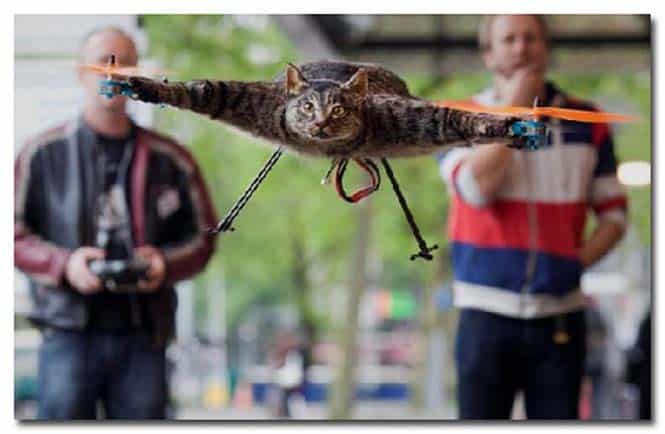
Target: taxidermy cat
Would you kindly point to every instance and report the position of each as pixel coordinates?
(332, 109)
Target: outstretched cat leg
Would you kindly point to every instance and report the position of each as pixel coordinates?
(402, 127)
(255, 107)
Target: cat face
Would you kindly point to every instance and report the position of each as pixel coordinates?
(324, 112)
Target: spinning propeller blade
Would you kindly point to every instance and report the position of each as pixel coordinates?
(125, 70)
(554, 112)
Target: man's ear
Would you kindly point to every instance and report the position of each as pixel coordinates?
(358, 82)
(295, 81)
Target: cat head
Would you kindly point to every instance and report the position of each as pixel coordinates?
(324, 111)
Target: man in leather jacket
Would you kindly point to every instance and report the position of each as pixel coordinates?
(102, 187)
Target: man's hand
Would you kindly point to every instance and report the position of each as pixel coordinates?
(146, 89)
(489, 165)
(523, 86)
(606, 235)
(157, 268)
(78, 273)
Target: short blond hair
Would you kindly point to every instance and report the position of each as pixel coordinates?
(485, 29)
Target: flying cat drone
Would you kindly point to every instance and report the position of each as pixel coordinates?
(343, 111)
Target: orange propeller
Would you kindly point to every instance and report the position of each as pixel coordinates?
(112, 68)
(554, 112)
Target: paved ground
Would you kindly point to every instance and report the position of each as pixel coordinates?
(366, 410)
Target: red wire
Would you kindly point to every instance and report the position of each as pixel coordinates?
(363, 192)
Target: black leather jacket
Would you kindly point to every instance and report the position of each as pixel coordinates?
(55, 179)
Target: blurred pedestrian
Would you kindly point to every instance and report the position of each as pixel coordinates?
(288, 363)
(639, 367)
(596, 371)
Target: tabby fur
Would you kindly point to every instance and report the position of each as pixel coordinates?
(331, 109)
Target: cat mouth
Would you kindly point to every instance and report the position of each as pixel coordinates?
(323, 137)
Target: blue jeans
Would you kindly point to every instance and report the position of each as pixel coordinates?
(123, 372)
(497, 356)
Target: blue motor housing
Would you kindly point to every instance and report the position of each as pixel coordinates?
(111, 88)
(536, 134)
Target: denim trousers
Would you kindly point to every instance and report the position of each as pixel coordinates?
(497, 356)
(81, 372)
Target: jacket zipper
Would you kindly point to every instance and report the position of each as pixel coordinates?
(532, 221)
(131, 295)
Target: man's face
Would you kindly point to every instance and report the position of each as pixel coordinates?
(516, 41)
(97, 51)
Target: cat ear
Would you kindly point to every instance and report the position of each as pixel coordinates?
(295, 81)
(358, 82)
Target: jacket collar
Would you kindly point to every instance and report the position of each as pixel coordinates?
(88, 135)
(138, 179)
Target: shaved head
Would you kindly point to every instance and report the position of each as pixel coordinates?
(96, 48)
(96, 45)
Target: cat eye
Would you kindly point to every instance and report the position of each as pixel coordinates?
(308, 107)
(338, 111)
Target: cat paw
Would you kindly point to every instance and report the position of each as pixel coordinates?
(504, 126)
(145, 89)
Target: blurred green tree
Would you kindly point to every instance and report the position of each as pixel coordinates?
(295, 241)
(294, 226)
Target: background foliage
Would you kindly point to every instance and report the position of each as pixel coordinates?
(294, 223)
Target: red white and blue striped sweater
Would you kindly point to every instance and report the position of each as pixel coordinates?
(517, 255)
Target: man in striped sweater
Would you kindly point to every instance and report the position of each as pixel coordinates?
(517, 232)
